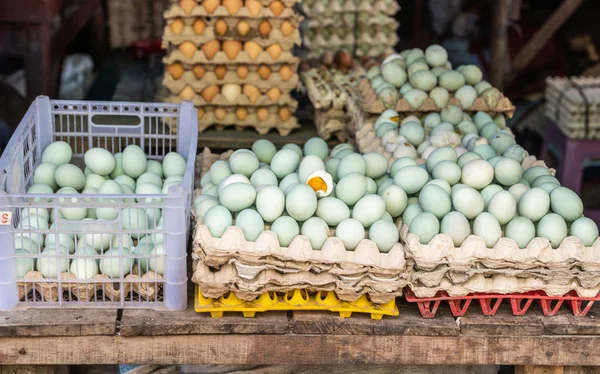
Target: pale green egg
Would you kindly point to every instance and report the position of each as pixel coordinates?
(456, 225)
(368, 209)
(566, 203)
(317, 147)
(477, 174)
(384, 185)
(294, 147)
(485, 151)
(488, 192)
(466, 95)
(121, 239)
(154, 215)
(331, 166)
(237, 196)
(110, 187)
(494, 160)
(387, 217)
(413, 132)
(452, 114)
(376, 164)
(142, 253)
(466, 157)
(448, 171)
(351, 232)
(352, 163)
(51, 262)
(534, 204)
(158, 261)
(98, 241)
(125, 180)
(451, 80)
(134, 219)
(148, 189)
(40, 189)
(439, 155)
(173, 164)
(467, 127)
(443, 126)
(93, 181)
(286, 229)
(552, 227)
(482, 118)
(382, 179)
(63, 240)
(270, 202)
(289, 180)
(371, 186)
(423, 80)
(264, 150)
(521, 230)
(544, 179)
(441, 183)
(411, 179)
(150, 178)
(219, 170)
(35, 211)
(425, 225)
(501, 141)
(487, 227)
(99, 161)
(585, 229)
(26, 243)
(57, 153)
(317, 231)
(549, 186)
(332, 210)
(44, 174)
(400, 163)
(438, 71)
(343, 153)
(118, 170)
(394, 74)
(263, 177)
(411, 211)
(395, 199)
(440, 96)
(431, 121)
(251, 223)
(134, 161)
(68, 175)
(488, 130)
(154, 167)
(472, 74)
(517, 190)
(217, 219)
(384, 234)
(84, 268)
(204, 205)
(515, 152)
(23, 264)
(415, 98)
(244, 163)
(434, 199)
(114, 264)
(508, 171)
(502, 206)
(308, 165)
(343, 146)
(71, 213)
(533, 172)
(301, 202)
(234, 178)
(284, 162)
(351, 188)
(467, 201)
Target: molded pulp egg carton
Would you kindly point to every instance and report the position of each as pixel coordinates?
(242, 100)
(474, 268)
(567, 108)
(220, 117)
(331, 122)
(371, 104)
(220, 58)
(263, 265)
(346, 6)
(87, 124)
(186, 8)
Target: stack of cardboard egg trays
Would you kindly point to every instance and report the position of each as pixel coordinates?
(329, 91)
(249, 269)
(189, 74)
(134, 20)
(566, 106)
(367, 25)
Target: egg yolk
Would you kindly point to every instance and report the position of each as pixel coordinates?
(317, 184)
(394, 119)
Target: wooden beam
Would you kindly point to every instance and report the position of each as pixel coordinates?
(499, 43)
(541, 37)
(302, 349)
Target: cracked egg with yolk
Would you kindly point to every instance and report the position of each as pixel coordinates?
(321, 182)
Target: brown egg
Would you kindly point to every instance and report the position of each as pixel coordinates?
(188, 49)
(187, 5)
(177, 26)
(254, 6)
(210, 5)
(211, 48)
(176, 70)
(221, 27)
(243, 28)
(220, 113)
(276, 7)
(241, 113)
(264, 28)
(220, 71)
(242, 71)
(327, 58)
(209, 93)
(252, 92)
(286, 72)
(264, 72)
(274, 94)
(287, 28)
(253, 49)
(199, 27)
(232, 6)
(285, 114)
(343, 60)
(274, 50)
(199, 71)
(232, 48)
(187, 93)
(200, 113)
(262, 114)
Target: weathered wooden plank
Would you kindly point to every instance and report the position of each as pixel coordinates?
(303, 349)
(539, 370)
(24, 369)
(565, 323)
(147, 322)
(409, 322)
(502, 323)
(58, 322)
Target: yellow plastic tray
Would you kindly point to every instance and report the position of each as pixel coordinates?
(293, 300)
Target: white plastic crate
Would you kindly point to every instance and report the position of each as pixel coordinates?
(113, 126)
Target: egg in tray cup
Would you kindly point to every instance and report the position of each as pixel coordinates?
(233, 59)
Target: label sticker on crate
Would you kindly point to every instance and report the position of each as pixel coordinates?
(5, 218)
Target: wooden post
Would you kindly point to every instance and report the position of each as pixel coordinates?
(499, 44)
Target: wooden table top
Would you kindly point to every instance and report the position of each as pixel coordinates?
(65, 337)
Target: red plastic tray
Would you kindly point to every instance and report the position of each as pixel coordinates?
(490, 303)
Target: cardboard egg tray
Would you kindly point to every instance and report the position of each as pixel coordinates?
(371, 104)
(366, 7)
(242, 100)
(220, 58)
(287, 42)
(198, 10)
(262, 122)
(567, 108)
(210, 78)
(237, 73)
(334, 42)
(373, 50)
(82, 291)
(331, 122)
